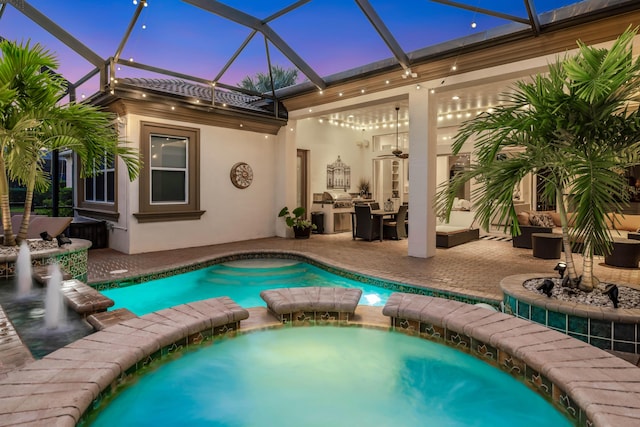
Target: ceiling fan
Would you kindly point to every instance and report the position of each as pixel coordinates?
(397, 152)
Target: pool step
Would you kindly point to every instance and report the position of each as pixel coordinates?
(84, 299)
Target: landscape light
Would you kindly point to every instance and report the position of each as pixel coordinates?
(560, 268)
(546, 287)
(612, 292)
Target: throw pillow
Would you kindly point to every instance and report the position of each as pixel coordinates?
(541, 220)
(523, 218)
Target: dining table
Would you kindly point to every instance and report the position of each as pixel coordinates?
(381, 213)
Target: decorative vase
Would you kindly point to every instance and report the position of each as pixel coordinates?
(302, 232)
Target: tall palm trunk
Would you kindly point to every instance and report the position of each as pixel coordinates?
(588, 281)
(28, 201)
(9, 239)
(566, 241)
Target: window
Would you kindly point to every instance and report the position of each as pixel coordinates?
(170, 179)
(389, 142)
(97, 194)
(100, 188)
(169, 169)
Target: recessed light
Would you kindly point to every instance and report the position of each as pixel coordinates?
(455, 97)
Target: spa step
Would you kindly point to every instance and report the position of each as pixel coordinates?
(84, 299)
(41, 274)
(105, 319)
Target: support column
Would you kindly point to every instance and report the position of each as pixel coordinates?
(422, 174)
(286, 182)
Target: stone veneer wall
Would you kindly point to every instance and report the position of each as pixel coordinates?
(71, 258)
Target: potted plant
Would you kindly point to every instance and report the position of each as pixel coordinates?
(363, 186)
(295, 219)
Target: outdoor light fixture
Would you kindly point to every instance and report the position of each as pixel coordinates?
(560, 268)
(612, 292)
(546, 287)
(63, 240)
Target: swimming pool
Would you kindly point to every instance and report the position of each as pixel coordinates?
(328, 376)
(242, 281)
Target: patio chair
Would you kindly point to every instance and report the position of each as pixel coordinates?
(367, 226)
(396, 228)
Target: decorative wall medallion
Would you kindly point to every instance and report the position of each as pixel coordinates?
(241, 175)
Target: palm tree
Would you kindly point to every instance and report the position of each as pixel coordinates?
(33, 123)
(261, 82)
(573, 124)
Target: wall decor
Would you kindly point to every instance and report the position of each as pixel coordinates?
(241, 175)
(338, 175)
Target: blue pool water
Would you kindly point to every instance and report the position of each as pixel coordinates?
(242, 281)
(328, 376)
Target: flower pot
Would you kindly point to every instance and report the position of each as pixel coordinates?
(302, 232)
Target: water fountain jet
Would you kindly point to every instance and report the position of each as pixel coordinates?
(24, 271)
(54, 309)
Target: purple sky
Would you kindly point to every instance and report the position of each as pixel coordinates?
(329, 35)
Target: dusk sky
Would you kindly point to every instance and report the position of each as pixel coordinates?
(329, 35)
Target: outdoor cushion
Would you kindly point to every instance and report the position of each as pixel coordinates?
(523, 218)
(52, 225)
(541, 220)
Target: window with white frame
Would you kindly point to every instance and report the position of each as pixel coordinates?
(170, 179)
(169, 169)
(100, 187)
(97, 194)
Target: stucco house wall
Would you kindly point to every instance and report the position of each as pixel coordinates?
(231, 214)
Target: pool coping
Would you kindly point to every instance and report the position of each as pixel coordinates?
(59, 388)
(441, 290)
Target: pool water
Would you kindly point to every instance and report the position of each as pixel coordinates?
(242, 281)
(328, 376)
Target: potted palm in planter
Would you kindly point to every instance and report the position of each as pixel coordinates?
(575, 124)
(295, 219)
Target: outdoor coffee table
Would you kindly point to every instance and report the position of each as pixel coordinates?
(625, 253)
(547, 245)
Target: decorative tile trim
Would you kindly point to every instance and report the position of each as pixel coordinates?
(73, 260)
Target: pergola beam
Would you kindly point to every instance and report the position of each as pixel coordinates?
(384, 33)
(533, 17)
(127, 33)
(234, 56)
(249, 21)
(59, 33)
(484, 11)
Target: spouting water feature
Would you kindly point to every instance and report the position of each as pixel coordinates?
(54, 309)
(24, 271)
